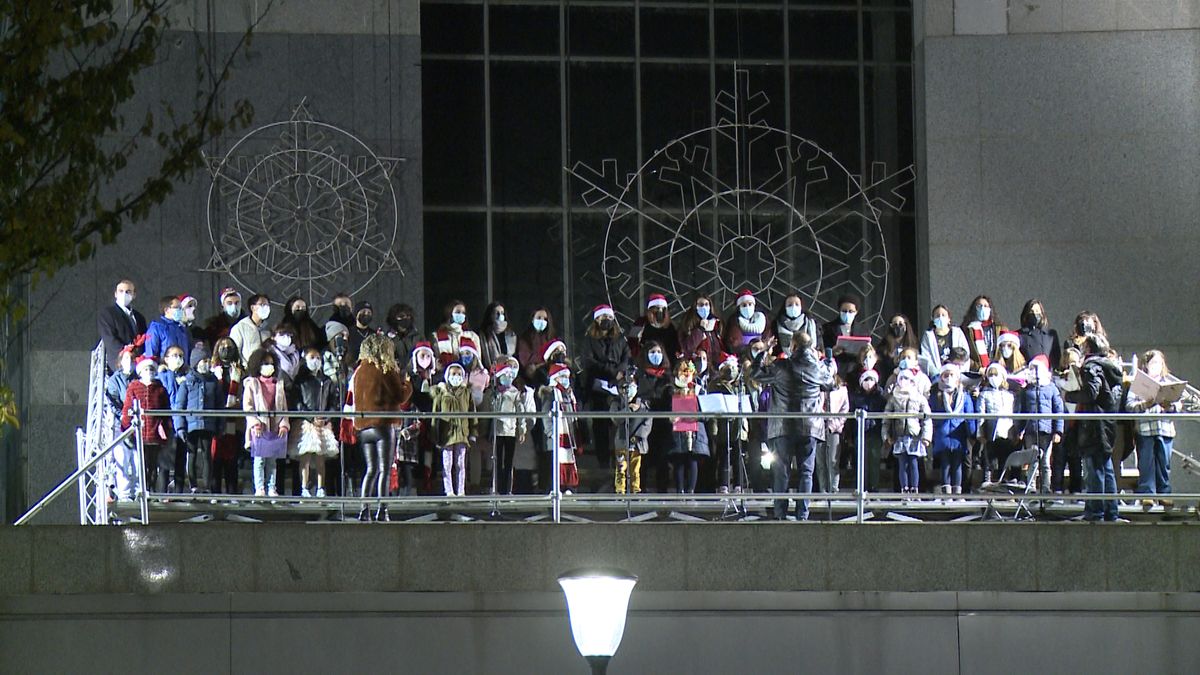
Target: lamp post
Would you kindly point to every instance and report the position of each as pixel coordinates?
(597, 601)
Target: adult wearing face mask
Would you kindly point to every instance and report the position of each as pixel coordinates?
(361, 328)
(654, 387)
(791, 320)
(746, 324)
(700, 328)
(454, 328)
(249, 333)
(983, 328)
(196, 333)
(168, 330)
(229, 313)
(846, 323)
(900, 335)
(1086, 323)
(605, 360)
(530, 345)
(655, 325)
(306, 332)
(341, 310)
(401, 330)
(941, 337)
(1037, 337)
(498, 339)
(119, 323)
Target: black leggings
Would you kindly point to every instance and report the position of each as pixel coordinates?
(687, 469)
(375, 449)
(199, 454)
(506, 447)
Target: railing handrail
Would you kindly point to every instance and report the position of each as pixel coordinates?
(66, 482)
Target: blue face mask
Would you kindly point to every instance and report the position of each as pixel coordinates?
(466, 358)
(940, 322)
(746, 311)
(904, 364)
(539, 325)
(702, 312)
(793, 311)
(848, 317)
(177, 314)
(458, 318)
(983, 313)
(655, 358)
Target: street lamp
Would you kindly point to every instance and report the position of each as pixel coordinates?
(597, 600)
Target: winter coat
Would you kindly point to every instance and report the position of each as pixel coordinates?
(115, 386)
(315, 393)
(453, 431)
(254, 401)
(634, 432)
(838, 401)
(164, 334)
(1035, 341)
(931, 356)
(699, 446)
(666, 336)
(1100, 392)
(602, 358)
(689, 343)
(513, 400)
(998, 402)
(921, 428)
(874, 401)
(155, 429)
(786, 329)
(117, 329)
(202, 392)
(740, 332)
(172, 382)
(952, 434)
(248, 337)
(797, 385)
(376, 391)
(1040, 398)
(831, 331)
(490, 350)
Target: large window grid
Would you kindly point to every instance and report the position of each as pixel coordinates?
(517, 89)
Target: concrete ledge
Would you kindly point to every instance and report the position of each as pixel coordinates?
(300, 558)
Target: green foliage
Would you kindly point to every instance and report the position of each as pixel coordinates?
(68, 69)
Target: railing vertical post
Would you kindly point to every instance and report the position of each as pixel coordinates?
(860, 464)
(81, 459)
(555, 480)
(139, 456)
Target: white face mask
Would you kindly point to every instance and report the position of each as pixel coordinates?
(283, 341)
(793, 311)
(174, 362)
(233, 310)
(314, 364)
(455, 380)
(1006, 351)
(267, 370)
(1154, 368)
(263, 312)
(124, 299)
(995, 381)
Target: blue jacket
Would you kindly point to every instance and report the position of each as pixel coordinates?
(1039, 398)
(173, 387)
(201, 392)
(164, 334)
(872, 402)
(114, 389)
(950, 435)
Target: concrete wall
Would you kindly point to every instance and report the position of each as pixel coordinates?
(1061, 163)
(356, 65)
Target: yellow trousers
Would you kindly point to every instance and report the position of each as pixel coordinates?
(629, 471)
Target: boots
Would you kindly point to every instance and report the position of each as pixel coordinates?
(365, 515)
(382, 514)
(957, 489)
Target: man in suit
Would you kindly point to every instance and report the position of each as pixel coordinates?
(119, 323)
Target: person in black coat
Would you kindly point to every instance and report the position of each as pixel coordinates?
(1036, 335)
(119, 323)
(1100, 381)
(846, 323)
(604, 359)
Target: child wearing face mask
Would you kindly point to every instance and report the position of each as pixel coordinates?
(1008, 353)
(983, 330)
(907, 438)
(632, 441)
(910, 363)
(530, 346)
(148, 391)
(414, 451)
(262, 394)
(900, 335)
(689, 446)
(654, 387)
(200, 391)
(570, 432)
(115, 386)
(746, 324)
(1039, 395)
(454, 435)
(315, 393)
(730, 436)
(508, 396)
(1154, 438)
(868, 359)
(168, 330)
(174, 453)
(283, 343)
(228, 441)
(479, 379)
(829, 451)
(951, 435)
(869, 396)
(995, 434)
(195, 331)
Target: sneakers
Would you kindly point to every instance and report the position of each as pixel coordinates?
(320, 493)
(260, 493)
(272, 493)
(305, 493)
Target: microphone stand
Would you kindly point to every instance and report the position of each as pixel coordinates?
(734, 504)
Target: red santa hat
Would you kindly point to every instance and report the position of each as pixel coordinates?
(558, 370)
(466, 344)
(600, 311)
(1010, 337)
(143, 361)
(656, 300)
(225, 293)
(744, 297)
(506, 366)
(1041, 360)
(186, 298)
(551, 346)
(729, 361)
(868, 374)
(423, 345)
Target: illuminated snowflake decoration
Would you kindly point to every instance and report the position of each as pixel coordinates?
(743, 204)
(301, 207)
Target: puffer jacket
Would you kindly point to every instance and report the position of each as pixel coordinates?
(798, 385)
(999, 402)
(172, 382)
(1040, 398)
(602, 358)
(512, 400)
(951, 434)
(202, 392)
